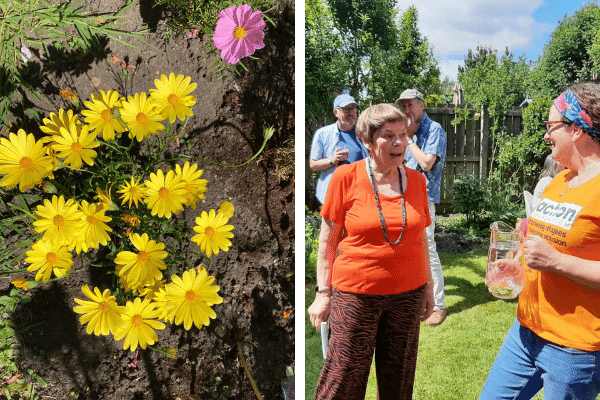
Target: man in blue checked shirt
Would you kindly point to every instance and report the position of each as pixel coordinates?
(426, 153)
(336, 144)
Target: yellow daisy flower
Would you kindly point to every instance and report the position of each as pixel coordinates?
(165, 194)
(101, 114)
(58, 220)
(23, 160)
(150, 290)
(48, 257)
(141, 117)
(194, 186)
(139, 324)
(105, 197)
(76, 145)
(64, 119)
(161, 304)
(213, 233)
(171, 96)
(93, 228)
(21, 283)
(226, 208)
(191, 297)
(142, 268)
(132, 192)
(102, 312)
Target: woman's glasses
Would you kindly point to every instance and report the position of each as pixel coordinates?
(550, 124)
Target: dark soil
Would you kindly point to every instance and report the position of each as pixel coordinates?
(257, 291)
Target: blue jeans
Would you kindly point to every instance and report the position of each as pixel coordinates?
(527, 362)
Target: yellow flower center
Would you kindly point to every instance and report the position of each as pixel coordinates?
(210, 232)
(107, 116)
(51, 258)
(141, 119)
(104, 306)
(143, 256)
(25, 163)
(173, 99)
(91, 220)
(76, 148)
(190, 296)
(58, 220)
(239, 32)
(132, 191)
(164, 193)
(137, 320)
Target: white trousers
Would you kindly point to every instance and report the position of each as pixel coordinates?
(436, 266)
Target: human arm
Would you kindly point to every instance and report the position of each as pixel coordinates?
(326, 163)
(329, 239)
(426, 161)
(429, 301)
(541, 255)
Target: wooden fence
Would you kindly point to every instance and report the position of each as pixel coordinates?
(468, 146)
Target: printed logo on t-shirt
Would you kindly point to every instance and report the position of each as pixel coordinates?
(559, 214)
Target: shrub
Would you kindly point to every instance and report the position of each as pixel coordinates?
(468, 196)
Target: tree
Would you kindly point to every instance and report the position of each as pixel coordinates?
(407, 63)
(572, 55)
(326, 63)
(363, 46)
(494, 83)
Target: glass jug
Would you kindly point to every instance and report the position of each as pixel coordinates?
(504, 279)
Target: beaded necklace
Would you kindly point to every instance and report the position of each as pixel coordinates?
(381, 218)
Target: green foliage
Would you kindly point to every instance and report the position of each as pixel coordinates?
(494, 83)
(571, 56)
(186, 15)
(468, 196)
(312, 228)
(409, 61)
(15, 386)
(37, 24)
(364, 46)
(326, 63)
(520, 158)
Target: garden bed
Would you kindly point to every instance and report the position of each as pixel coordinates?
(254, 275)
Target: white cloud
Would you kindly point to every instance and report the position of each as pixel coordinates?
(449, 67)
(456, 26)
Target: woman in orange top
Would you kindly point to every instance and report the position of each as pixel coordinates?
(376, 291)
(555, 340)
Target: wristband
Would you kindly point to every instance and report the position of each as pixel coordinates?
(320, 289)
(331, 162)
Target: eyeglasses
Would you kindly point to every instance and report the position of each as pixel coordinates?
(550, 124)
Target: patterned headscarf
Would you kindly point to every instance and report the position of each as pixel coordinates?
(570, 108)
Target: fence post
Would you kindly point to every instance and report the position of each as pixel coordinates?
(484, 143)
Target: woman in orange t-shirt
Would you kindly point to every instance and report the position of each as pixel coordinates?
(555, 341)
(376, 291)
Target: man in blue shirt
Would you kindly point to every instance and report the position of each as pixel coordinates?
(336, 144)
(426, 153)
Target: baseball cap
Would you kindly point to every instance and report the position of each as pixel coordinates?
(343, 100)
(410, 94)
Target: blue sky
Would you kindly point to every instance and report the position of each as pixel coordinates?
(455, 26)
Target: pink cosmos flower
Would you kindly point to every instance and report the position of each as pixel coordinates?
(239, 33)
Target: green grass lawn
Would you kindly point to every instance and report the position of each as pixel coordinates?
(455, 357)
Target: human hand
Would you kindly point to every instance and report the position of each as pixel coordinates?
(428, 302)
(339, 155)
(320, 309)
(411, 127)
(539, 254)
(502, 269)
